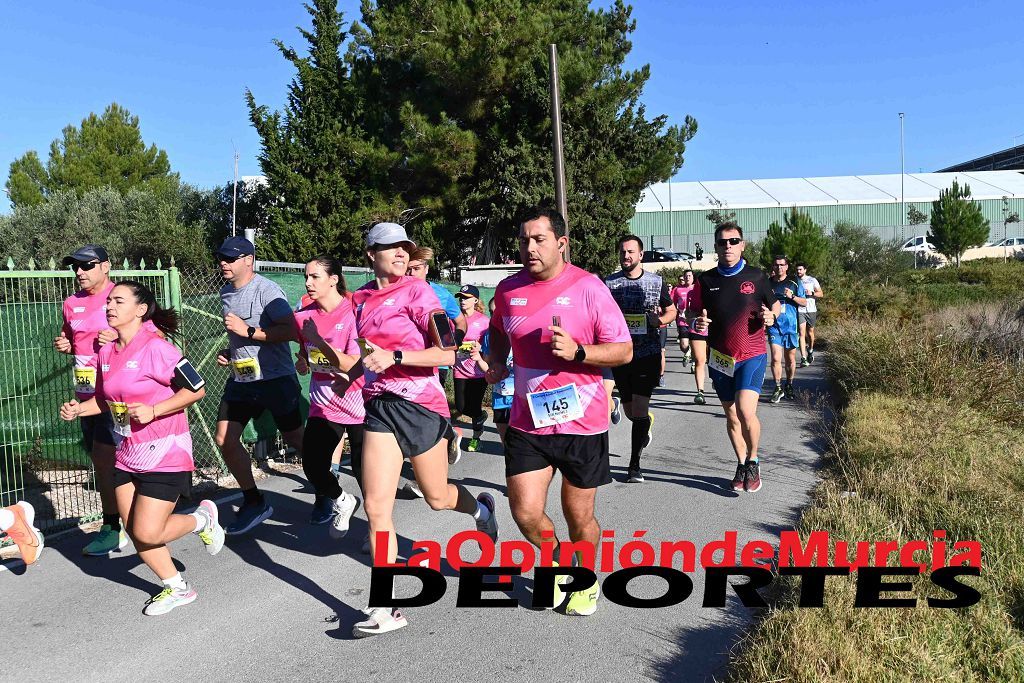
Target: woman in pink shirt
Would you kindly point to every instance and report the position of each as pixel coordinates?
(146, 385)
(397, 318)
(327, 335)
(470, 384)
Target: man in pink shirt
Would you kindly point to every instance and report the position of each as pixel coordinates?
(563, 326)
(84, 331)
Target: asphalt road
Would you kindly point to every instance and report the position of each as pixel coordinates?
(279, 604)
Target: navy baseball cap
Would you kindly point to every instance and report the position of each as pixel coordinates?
(90, 252)
(233, 247)
(469, 290)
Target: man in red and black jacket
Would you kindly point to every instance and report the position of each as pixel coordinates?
(736, 303)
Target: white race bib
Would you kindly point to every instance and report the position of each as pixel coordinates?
(725, 364)
(555, 406)
(122, 422)
(246, 370)
(85, 380)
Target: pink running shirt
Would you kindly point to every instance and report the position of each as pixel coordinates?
(142, 372)
(523, 310)
(681, 300)
(465, 367)
(397, 318)
(338, 328)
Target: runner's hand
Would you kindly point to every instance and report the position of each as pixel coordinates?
(141, 413)
(232, 323)
(378, 360)
(309, 331)
(106, 336)
(70, 410)
(787, 292)
(562, 345)
(474, 353)
(496, 373)
(341, 383)
(767, 316)
(301, 366)
(62, 343)
(702, 321)
(224, 357)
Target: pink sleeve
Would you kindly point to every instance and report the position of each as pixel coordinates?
(65, 327)
(351, 346)
(498, 317)
(610, 324)
(164, 356)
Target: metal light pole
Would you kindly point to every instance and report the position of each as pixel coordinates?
(234, 196)
(903, 203)
(556, 142)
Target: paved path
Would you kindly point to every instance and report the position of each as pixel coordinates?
(279, 604)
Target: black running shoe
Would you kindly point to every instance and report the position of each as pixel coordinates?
(753, 483)
(740, 478)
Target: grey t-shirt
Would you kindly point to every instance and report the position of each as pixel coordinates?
(261, 303)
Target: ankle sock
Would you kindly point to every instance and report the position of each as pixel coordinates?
(176, 582)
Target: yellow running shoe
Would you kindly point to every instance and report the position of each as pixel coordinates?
(584, 603)
(558, 596)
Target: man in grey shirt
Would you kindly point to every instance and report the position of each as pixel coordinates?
(259, 323)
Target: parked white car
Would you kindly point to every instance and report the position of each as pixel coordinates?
(1013, 244)
(919, 243)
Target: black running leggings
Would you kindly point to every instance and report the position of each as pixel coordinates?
(469, 396)
(318, 443)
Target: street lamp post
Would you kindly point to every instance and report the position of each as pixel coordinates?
(903, 206)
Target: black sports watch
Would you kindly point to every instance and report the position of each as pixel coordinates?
(581, 354)
(398, 357)
(250, 332)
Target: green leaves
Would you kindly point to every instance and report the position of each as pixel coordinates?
(957, 223)
(799, 238)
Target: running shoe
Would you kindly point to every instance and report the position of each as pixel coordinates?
(557, 596)
(776, 395)
(584, 603)
(489, 527)
(411, 487)
(343, 507)
(29, 539)
(474, 445)
(212, 533)
(616, 412)
(810, 356)
(739, 480)
(635, 476)
(167, 599)
(106, 541)
(248, 517)
(803, 362)
(381, 620)
(650, 432)
(753, 481)
(789, 393)
(699, 398)
(323, 510)
(661, 381)
(454, 448)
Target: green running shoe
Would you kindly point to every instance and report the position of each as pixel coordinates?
(474, 445)
(106, 541)
(777, 395)
(584, 603)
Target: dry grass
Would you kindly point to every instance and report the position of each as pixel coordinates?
(928, 441)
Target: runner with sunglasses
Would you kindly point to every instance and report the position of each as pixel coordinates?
(146, 385)
(783, 334)
(405, 337)
(84, 331)
(327, 335)
(470, 384)
(736, 303)
(259, 323)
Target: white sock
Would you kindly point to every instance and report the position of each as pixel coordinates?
(482, 514)
(176, 582)
(201, 520)
(6, 519)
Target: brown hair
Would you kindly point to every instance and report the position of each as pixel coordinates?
(165, 319)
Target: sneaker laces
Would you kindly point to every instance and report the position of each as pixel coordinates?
(162, 595)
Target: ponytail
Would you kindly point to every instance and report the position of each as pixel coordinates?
(165, 319)
(332, 266)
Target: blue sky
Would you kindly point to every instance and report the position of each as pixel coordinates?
(779, 89)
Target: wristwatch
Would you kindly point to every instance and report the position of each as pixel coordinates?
(581, 354)
(250, 332)
(398, 357)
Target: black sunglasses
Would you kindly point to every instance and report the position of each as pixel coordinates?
(229, 259)
(728, 240)
(84, 266)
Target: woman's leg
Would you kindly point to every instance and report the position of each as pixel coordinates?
(355, 440)
(152, 526)
(318, 444)
(381, 469)
(431, 469)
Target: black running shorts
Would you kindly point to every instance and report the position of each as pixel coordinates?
(416, 428)
(167, 486)
(245, 401)
(638, 377)
(581, 458)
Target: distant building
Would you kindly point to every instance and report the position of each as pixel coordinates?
(1009, 159)
(674, 215)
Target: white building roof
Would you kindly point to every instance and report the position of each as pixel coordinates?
(863, 189)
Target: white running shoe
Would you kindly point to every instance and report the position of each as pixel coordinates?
(381, 620)
(212, 533)
(344, 506)
(167, 599)
(455, 448)
(616, 412)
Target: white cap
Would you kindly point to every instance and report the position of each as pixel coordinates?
(387, 233)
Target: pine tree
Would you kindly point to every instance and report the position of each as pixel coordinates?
(799, 238)
(957, 223)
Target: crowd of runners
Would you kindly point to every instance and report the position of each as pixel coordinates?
(566, 355)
